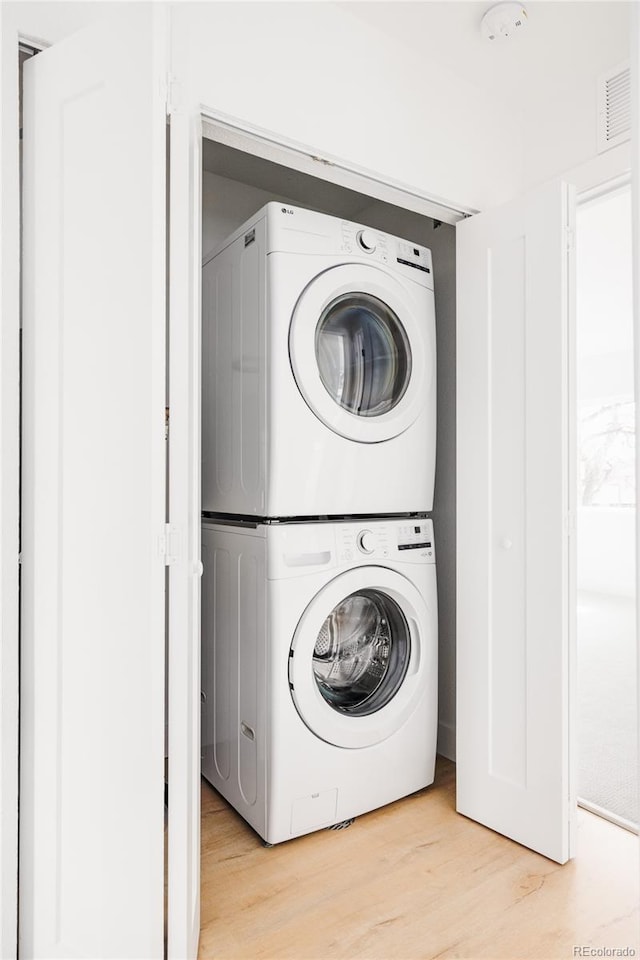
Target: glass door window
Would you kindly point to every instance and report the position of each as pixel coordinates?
(362, 351)
(361, 653)
(363, 354)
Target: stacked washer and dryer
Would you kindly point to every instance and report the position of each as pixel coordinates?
(319, 616)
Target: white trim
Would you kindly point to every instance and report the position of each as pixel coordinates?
(604, 189)
(605, 814)
(601, 168)
(269, 146)
(635, 219)
(9, 491)
(571, 510)
(184, 498)
(31, 43)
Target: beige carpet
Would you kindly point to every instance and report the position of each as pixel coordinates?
(607, 704)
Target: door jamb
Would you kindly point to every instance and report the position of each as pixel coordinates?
(10, 520)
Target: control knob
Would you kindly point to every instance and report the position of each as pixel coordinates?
(366, 541)
(367, 240)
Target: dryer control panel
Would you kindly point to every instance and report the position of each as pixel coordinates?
(296, 230)
(410, 541)
(411, 259)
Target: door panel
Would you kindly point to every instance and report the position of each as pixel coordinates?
(515, 609)
(334, 656)
(92, 681)
(183, 921)
(361, 351)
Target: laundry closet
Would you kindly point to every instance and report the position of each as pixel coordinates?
(384, 496)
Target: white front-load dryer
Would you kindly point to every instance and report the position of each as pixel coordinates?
(319, 370)
(319, 668)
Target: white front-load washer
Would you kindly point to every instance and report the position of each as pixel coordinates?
(319, 668)
(319, 370)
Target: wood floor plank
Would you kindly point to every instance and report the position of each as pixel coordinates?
(413, 880)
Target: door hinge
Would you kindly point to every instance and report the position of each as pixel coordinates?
(570, 239)
(169, 544)
(171, 93)
(570, 523)
(322, 160)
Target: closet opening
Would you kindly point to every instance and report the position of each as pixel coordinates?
(607, 692)
(235, 185)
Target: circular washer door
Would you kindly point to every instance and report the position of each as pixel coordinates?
(356, 660)
(358, 353)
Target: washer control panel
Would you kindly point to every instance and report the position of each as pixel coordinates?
(416, 536)
(366, 541)
(409, 541)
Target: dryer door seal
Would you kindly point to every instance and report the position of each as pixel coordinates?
(359, 656)
(359, 351)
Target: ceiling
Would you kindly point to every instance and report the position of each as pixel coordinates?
(564, 43)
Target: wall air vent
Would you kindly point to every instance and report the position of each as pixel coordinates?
(614, 107)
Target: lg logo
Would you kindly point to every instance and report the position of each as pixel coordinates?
(284, 210)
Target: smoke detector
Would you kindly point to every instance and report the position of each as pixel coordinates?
(503, 21)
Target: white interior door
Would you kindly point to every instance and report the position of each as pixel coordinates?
(93, 643)
(515, 494)
(183, 921)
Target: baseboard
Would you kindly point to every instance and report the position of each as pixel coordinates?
(447, 740)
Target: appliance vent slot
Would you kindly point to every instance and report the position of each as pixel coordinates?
(614, 107)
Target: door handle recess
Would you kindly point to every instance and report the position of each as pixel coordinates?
(416, 649)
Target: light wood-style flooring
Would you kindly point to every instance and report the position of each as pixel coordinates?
(413, 880)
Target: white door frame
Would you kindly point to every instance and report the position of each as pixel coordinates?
(635, 246)
(185, 567)
(9, 496)
(10, 280)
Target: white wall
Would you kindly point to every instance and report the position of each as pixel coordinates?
(543, 80)
(314, 74)
(561, 141)
(560, 124)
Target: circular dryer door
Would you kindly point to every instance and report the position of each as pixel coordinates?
(358, 351)
(357, 657)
